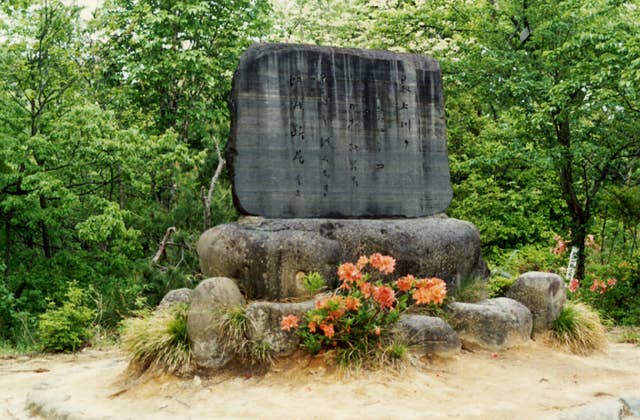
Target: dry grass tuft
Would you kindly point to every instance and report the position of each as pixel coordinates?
(579, 329)
(158, 343)
(234, 324)
(630, 335)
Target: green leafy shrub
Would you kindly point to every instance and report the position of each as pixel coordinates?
(533, 258)
(579, 329)
(7, 303)
(499, 285)
(357, 319)
(158, 342)
(313, 282)
(68, 327)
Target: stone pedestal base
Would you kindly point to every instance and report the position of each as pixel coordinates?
(269, 257)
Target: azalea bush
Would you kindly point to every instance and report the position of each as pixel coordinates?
(356, 319)
(613, 289)
(611, 283)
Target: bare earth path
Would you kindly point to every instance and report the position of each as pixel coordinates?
(533, 381)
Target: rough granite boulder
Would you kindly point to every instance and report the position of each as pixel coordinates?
(265, 324)
(208, 300)
(427, 334)
(268, 256)
(543, 293)
(175, 296)
(492, 324)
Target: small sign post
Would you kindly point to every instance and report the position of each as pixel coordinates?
(573, 261)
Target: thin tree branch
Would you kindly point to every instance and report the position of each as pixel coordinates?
(163, 245)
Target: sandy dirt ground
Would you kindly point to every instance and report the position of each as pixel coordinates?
(532, 381)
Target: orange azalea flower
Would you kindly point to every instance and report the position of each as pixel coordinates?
(349, 273)
(385, 296)
(561, 245)
(574, 284)
(438, 289)
(337, 314)
(405, 282)
(422, 295)
(352, 303)
(376, 260)
(430, 290)
(388, 265)
(612, 281)
(288, 322)
(367, 290)
(327, 329)
(362, 262)
(598, 286)
(383, 263)
(312, 326)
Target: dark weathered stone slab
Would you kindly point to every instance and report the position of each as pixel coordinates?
(331, 132)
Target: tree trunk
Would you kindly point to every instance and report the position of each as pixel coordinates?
(579, 215)
(46, 241)
(579, 235)
(206, 210)
(206, 199)
(602, 231)
(7, 245)
(162, 249)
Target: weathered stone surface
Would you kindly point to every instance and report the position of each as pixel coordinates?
(427, 334)
(632, 404)
(268, 255)
(340, 133)
(600, 410)
(543, 293)
(492, 323)
(265, 324)
(175, 296)
(208, 300)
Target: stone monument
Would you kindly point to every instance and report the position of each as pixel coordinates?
(338, 153)
(329, 132)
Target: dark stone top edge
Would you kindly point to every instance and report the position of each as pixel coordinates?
(256, 50)
(252, 219)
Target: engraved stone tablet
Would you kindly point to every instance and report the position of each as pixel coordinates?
(343, 133)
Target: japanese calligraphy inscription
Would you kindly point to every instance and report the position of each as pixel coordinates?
(341, 133)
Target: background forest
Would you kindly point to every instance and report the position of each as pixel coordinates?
(111, 132)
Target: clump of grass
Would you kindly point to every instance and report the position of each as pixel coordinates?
(387, 353)
(234, 324)
(158, 342)
(260, 353)
(395, 354)
(499, 285)
(313, 282)
(630, 336)
(579, 329)
(473, 290)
